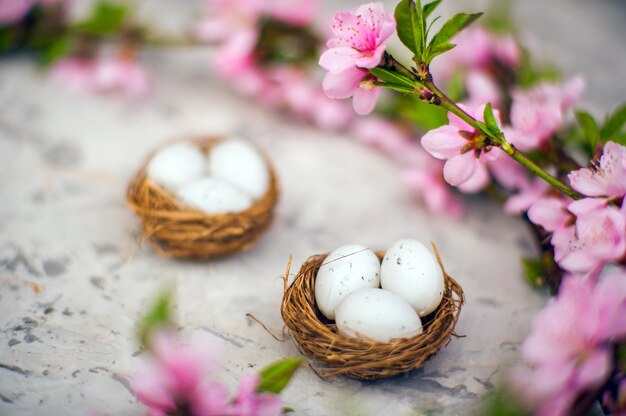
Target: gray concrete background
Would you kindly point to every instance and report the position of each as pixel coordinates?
(73, 284)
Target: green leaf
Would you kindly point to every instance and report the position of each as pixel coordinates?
(440, 42)
(106, 17)
(614, 124)
(392, 77)
(56, 49)
(429, 8)
(276, 376)
(159, 315)
(590, 130)
(490, 121)
(410, 27)
(533, 271)
(288, 410)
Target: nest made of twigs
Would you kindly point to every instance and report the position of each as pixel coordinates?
(177, 230)
(317, 337)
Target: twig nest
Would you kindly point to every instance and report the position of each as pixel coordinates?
(372, 332)
(205, 198)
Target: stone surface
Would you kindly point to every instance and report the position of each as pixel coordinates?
(73, 281)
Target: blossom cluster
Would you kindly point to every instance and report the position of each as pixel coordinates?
(172, 379)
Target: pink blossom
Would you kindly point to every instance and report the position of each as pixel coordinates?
(13, 11)
(429, 185)
(295, 12)
(476, 49)
(173, 378)
(249, 402)
(353, 82)
(526, 196)
(358, 38)
(232, 25)
(387, 137)
(465, 158)
(481, 88)
(330, 114)
(538, 113)
(597, 238)
(608, 178)
(567, 351)
(124, 75)
(76, 73)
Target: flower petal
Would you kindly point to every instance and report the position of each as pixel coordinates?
(343, 84)
(364, 100)
(460, 168)
(477, 182)
(443, 142)
(338, 59)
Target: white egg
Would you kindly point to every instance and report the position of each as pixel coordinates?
(177, 165)
(240, 164)
(377, 314)
(343, 271)
(412, 272)
(214, 196)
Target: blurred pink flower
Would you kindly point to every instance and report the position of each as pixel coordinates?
(295, 12)
(13, 11)
(172, 378)
(465, 159)
(76, 73)
(569, 351)
(353, 82)
(385, 136)
(607, 178)
(123, 75)
(428, 184)
(538, 113)
(358, 38)
(481, 88)
(526, 196)
(232, 25)
(475, 49)
(115, 74)
(249, 402)
(330, 114)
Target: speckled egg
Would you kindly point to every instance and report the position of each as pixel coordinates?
(343, 271)
(176, 165)
(411, 271)
(214, 196)
(377, 314)
(239, 163)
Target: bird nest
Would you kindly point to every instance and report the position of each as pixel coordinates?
(177, 230)
(334, 354)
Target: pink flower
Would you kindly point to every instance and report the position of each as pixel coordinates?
(587, 233)
(250, 403)
(568, 351)
(598, 237)
(608, 178)
(538, 113)
(173, 379)
(232, 24)
(428, 184)
(358, 38)
(295, 12)
(123, 75)
(78, 74)
(527, 195)
(476, 50)
(13, 11)
(353, 82)
(465, 158)
(481, 88)
(330, 114)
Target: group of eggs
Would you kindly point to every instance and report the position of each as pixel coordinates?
(367, 299)
(228, 179)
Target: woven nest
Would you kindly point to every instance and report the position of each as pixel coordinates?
(177, 230)
(317, 337)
